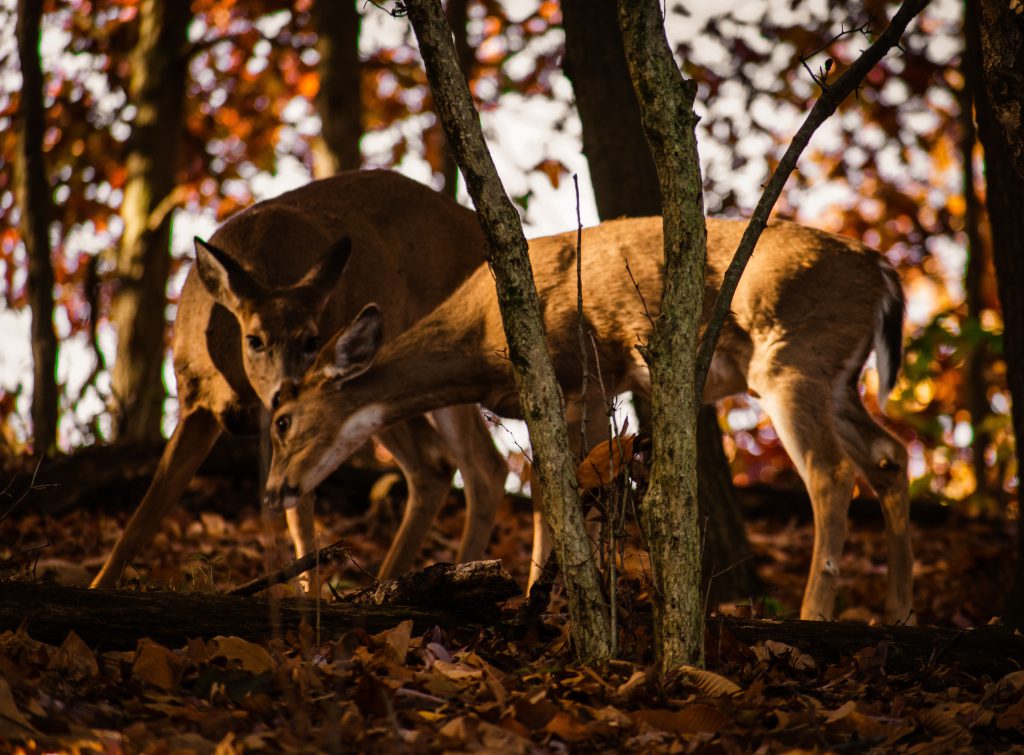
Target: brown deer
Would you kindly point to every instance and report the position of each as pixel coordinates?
(265, 290)
(810, 308)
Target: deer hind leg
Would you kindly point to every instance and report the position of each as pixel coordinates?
(420, 455)
(882, 459)
(190, 443)
(484, 472)
(800, 409)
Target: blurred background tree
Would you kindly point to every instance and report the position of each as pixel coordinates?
(162, 117)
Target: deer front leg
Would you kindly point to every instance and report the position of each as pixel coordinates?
(418, 451)
(484, 471)
(302, 531)
(188, 446)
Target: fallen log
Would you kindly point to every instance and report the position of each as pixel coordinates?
(895, 649)
(441, 585)
(108, 619)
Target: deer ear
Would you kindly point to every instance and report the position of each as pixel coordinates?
(352, 351)
(323, 277)
(224, 278)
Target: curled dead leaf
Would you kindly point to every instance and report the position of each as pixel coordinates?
(708, 682)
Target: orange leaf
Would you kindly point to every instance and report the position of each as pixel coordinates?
(600, 468)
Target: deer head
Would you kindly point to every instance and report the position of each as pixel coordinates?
(280, 326)
(307, 446)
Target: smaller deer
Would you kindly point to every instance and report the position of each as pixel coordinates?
(808, 311)
(272, 282)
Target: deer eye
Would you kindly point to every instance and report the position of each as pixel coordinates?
(310, 345)
(255, 343)
(282, 424)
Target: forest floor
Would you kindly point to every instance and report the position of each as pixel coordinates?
(474, 688)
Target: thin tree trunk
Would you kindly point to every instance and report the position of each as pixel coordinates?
(339, 101)
(621, 168)
(539, 394)
(669, 511)
(33, 192)
(458, 16)
(626, 185)
(990, 52)
(157, 89)
(977, 360)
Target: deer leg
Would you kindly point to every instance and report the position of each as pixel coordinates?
(484, 471)
(882, 459)
(801, 411)
(420, 455)
(188, 446)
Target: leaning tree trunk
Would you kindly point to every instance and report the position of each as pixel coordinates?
(33, 192)
(669, 510)
(339, 100)
(157, 89)
(539, 393)
(626, 185)
(995, 55)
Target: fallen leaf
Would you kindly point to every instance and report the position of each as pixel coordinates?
(11, 715)
(708, 682)
(458, 672)
(692, 719)
(155, 664)
(249, 656)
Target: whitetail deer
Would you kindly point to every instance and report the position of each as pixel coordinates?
(807, 313)
(265, 289)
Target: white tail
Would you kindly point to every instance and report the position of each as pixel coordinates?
(805, 317)
(273, 281)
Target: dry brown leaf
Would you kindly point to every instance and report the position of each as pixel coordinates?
(155, 664)
(567, 727)
(709, 683)
(690, 720)
(11, 718)
(604, 462)
(75, 658)
(397, 642)
(458, 672)
(248, 655)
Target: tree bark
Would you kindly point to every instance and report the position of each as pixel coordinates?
(891, 649)
(33, 193)
(626, 185)
(157, 89)
(1002, 45)
(669, 513)
(985, 52)
(339, 100)
(457, 12)
(539, 394)
(621, 168)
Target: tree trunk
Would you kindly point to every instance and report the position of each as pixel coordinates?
(669, 510)
(458, 15)
(976, 386)
(33, 193)
(539, 394)
(339, 101)
(621, 168)
(157, 89)
(995, 43)
(626, 185)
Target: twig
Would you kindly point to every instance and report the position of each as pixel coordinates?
(580, 327)
(330, 554)
(31, 486)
